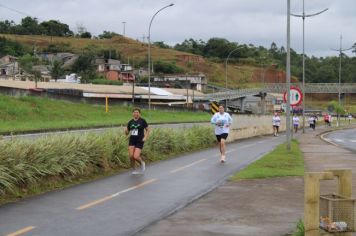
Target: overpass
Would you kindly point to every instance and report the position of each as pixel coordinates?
(281, 88)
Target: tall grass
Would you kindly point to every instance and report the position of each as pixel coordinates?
(26, 163)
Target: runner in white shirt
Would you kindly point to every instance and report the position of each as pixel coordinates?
(222, 121)
(295, 123)
(276, 122)
(311, 121)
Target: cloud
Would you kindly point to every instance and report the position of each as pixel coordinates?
(243, 21)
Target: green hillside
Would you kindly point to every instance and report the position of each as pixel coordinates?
(135, 53)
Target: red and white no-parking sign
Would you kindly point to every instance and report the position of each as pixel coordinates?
(296, 96)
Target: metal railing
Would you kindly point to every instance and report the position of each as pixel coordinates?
(281, 88)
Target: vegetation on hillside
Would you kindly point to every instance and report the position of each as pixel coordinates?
(242, 65)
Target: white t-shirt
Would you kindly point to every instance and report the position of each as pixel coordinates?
(222, 123)
(276, 121)
(311, 120)
(295, 120)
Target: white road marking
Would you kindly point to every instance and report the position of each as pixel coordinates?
(339, 140)
(232, 150)
(248, 145)
(184, 167)
(104, 199)
(21, 231)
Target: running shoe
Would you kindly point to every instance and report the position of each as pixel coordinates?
(222, 159)
(143, 166)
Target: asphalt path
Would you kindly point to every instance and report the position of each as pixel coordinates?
(34, 136)
(345, 138)
(125, 204)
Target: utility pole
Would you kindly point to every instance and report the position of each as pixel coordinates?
(133, 90)
(288, 128)
(186, 82)
(339, 89)
(303, 16)
(123, 32)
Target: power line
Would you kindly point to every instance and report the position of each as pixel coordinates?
(19, 12)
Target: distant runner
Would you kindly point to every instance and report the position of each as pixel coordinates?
(222, 121)
(276, 122)
(312, 121)
(349, 117)
(138, 130)
(295, 123)
(326, 119)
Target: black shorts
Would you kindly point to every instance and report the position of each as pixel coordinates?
(276, 126)
(221, 136)
(136, 143)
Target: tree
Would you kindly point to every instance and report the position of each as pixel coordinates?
(5, 26)
(161, 44)
(334, 106)
(37, 76)
(56, 28)
(27, 62)
(56, 70)
(8, 47)
(167, 68)
(84, 66)
(217, 47)
(85, 35)
(30, 26)
(107, 35)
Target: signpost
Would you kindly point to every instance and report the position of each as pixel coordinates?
(296, 96)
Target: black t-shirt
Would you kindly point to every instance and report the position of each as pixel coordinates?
(137, 129)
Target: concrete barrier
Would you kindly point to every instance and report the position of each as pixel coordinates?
(246, 126)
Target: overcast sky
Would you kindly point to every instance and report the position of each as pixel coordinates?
(259, 22)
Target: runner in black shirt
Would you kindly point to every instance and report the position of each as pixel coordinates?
(138, 130)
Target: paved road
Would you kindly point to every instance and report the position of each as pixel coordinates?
(125, 204)
(34, 136)
(344, 138)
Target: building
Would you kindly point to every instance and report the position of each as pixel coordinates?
(45, 72)
(197, 82)
(114, 70)
(8, 66)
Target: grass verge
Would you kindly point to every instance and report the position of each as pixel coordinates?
(278, 163)
(30, 114)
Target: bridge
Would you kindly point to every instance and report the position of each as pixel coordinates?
(281, 88)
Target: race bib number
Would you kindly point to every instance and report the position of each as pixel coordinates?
(134, 132)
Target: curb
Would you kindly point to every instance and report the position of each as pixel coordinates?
(323, 134)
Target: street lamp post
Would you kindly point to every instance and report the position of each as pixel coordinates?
(226, 70)
(123, 32)
(303, 16)
(263, 102)
(288, 128)
(149, 54)
(339, 89)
